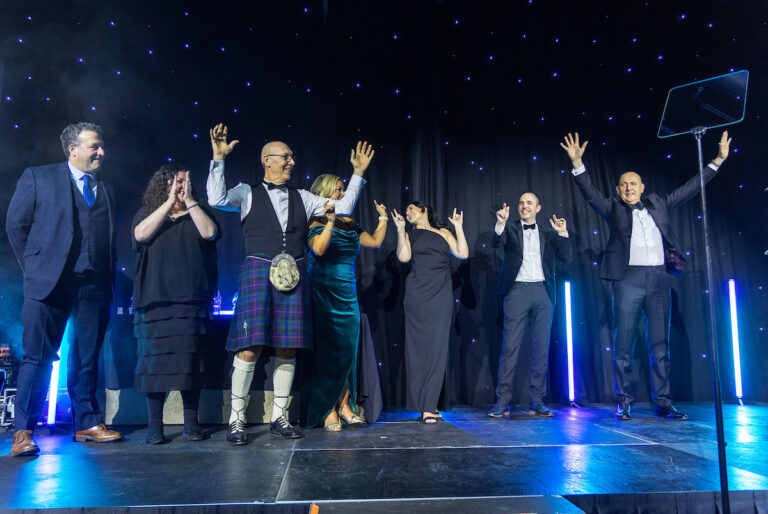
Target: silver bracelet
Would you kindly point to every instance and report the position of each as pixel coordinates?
(190, 206)
(384, 218)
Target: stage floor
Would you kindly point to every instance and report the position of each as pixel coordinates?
(578, 452)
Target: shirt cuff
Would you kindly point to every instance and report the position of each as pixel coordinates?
(498, 230)
(563, 235)
(714, 166)
(578, 171)
(216, 166)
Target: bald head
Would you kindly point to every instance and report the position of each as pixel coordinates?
(277, 159)
(630, 187)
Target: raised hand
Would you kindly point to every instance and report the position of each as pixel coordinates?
(330, 211)
(723, 146)
(219, 142)
(380, 208)
(558, 224)
(573, 149)
(502, 215)
(361, 157)
(398, 219)
(186, 190)
(457, 220)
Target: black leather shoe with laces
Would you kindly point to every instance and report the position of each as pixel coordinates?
(282, 428)
(237, 433)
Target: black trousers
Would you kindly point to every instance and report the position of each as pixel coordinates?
(525, 301)
(86, 300)
(644, 290)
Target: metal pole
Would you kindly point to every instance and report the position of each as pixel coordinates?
(724, 497)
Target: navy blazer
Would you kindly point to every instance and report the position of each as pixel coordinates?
(40, 225)
(552, 246)
(619, 218)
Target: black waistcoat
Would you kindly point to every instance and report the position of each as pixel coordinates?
(262, 231)
(90, 243)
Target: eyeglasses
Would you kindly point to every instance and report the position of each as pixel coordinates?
(286, 156)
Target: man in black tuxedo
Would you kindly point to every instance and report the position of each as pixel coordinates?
(641, 249)
(61, 227)
(527, 282)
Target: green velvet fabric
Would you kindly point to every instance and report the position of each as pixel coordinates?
(335, 323)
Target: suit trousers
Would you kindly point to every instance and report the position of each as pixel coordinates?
(85, 299)
(526, 301)
(644, 289)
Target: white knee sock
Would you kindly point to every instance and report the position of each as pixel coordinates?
(282, 378)
(242, 376)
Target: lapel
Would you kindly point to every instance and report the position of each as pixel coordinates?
(517, 231)
(652, 211)
(64, 182)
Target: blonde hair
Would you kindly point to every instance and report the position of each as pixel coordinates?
(324, 185)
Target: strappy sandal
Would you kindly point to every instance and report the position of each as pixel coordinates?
(429, 420)
(333, 427)
(352, 420)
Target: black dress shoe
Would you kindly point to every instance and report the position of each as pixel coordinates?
(282, 428)
(155, 435)
(194, 433)
(622, 412)
(539, 410)
(237, 435)
(499, 410)
(670, 412)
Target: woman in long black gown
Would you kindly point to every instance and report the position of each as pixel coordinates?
(174, 284)
(428, 302)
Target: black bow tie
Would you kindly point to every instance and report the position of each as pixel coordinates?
(271, 186)
(529, 227)
(638, 206)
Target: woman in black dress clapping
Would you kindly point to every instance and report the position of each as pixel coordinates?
(174, 284)
(428, 302)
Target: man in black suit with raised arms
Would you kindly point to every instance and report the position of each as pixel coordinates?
(526, 280)
(642, 248)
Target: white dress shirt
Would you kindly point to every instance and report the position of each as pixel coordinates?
(239, 198)
(77, 175)
(531, 269)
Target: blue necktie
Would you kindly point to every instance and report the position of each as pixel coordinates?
(88, 191)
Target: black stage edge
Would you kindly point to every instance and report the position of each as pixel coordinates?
(582, 460)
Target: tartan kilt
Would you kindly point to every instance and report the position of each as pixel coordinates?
(265, 316)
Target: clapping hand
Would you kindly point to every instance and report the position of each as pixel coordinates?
(380, 208)
(398, 219)
(502, 215)
(219, 142)
(186, 190)
(456, 220)
(573, 149)
(330, 211)
(361, 157)
(174, 188)
(558, 224)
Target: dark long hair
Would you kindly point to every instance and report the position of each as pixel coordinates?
(157, 188)
(431, 216)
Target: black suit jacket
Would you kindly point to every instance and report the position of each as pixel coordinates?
(619, 218)
(40, 225)
(552, 246)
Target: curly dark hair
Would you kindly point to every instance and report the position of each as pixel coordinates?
(157, 189)
(434, 221)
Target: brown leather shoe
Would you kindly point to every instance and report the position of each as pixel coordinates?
(99, 434)
(24, 444)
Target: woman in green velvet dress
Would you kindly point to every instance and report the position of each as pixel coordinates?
(334, 244)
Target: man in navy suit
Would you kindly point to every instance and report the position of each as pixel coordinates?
(527, 282)
(61, 227)
(642, 248)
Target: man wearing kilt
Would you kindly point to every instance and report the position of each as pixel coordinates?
(272, 293)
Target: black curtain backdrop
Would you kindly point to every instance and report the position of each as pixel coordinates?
(465, 103)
